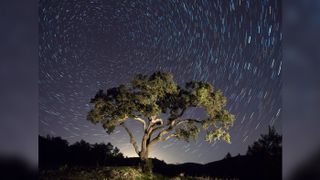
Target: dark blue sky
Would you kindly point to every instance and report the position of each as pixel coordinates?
(90, 45)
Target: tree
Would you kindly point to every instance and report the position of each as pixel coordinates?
(149, 98)
(80, 153)
(109, 149)
(116, 152)
(267, 151)
(52, 151)
(267, 145)
(99, 153)
(55, 152)
(228, 156)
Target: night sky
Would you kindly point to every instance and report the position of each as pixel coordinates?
(85, 46)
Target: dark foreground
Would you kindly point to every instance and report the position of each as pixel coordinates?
(107, 173)
(234, 168)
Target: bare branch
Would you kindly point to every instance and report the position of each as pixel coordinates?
(132, 139)
(155, 121)
(188, 120)
(168, 137)
(172, 124)
(142, 121)
(162, 133)
(154, 129)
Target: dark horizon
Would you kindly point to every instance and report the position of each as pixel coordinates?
(261, 161)
(137, 157)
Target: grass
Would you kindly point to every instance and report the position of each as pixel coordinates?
(106, 173)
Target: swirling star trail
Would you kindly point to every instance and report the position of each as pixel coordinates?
(90, 45)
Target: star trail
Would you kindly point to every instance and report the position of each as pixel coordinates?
(85, 46)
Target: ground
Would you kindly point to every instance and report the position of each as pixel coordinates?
(105, 173)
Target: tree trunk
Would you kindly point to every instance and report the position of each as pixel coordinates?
(146, 163)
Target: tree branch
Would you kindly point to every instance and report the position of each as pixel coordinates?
(132, 139)
(142, 121)
(172, 124)
(179, 115)
(153, 123)
(162, 133)
(168, 137)
(154, 129)
(188, 120)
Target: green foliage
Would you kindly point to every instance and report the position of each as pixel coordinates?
(220, 122)
(189, 131)
(142, 98)
(110, 173)
(150, 96)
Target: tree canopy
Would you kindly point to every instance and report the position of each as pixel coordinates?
(56, 152)
(148, 97)
(267, 145)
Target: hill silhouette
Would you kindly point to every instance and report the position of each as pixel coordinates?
(262, 161)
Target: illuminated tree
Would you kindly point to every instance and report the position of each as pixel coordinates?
(149, 98)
